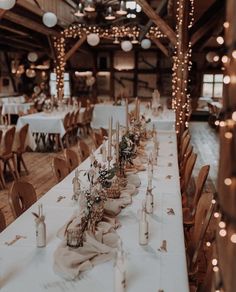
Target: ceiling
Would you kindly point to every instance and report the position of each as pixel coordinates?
(22, 30)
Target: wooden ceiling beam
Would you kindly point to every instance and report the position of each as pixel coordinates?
(24, 42)
(163, 26)
(28, 23)
(15, 31)
(207, 21)
(75, 47)
(162, 5)
(15, 45)
(160, 46)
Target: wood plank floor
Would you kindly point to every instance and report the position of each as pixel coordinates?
(203, 138)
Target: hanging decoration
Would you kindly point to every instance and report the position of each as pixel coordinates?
(93, 39)
(7, 4)
(146, 44)
(49, 19)
(32, 57)
(126, 46)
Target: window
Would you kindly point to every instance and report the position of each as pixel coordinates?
(53, 85)
(212, 85)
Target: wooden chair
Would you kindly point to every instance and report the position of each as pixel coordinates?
(97, 139)
(2, 180)
(103, 132)
(22, 148)
(60, 168)
(83, 150)
(21, 196)
(71, 159)
(196, 236)
(188, 172)
(200, 182)
(82, 124)
(76, 123)
(2, 221)
(183, 148)
(89, 118)
(7, 155)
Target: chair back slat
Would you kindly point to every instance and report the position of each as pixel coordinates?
(2, 221)
(21, 196)
(60, 168)
(71, 159)
(22, 137)
(8, 140)
(83, 150)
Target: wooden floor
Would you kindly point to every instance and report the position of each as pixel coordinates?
(203, 138)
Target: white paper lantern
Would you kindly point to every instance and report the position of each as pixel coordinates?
(30, 73)
(93, 39)
(49, 19)
(126, 46)
(146, 44)
(7, 4)
(32, 57)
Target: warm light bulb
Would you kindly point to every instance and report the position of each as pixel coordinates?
(226, 79)
(226, 24)
(233, 238)
(223, 232)
(222, 224)
(228, 181)
(220, 40)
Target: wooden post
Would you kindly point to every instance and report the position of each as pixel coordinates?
(226, 245)
(181, 63)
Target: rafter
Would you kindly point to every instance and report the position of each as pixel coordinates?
(161, 46)
(207, 22)
(163, 26)
(30, 24)
(16, 31)
(75, 47)
(158, 11)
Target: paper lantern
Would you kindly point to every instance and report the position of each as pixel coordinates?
(32, 57)
(49, 19)
(30, 73)
(146, 44)
(7, 4)
(126, 46)
(93, 39)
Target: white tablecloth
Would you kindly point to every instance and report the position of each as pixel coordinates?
(12, 99)
(15, 108)
(103, 111)
(44, 122)
(23, 267)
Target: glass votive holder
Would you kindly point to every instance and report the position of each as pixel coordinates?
(74, 237)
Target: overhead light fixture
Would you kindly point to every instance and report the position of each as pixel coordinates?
(116, 41)
(110, 15)
(134, 41)
(132, 5)
(122, 10)
(7, 4)
(131, 15)
(79, 10)
(89, 7)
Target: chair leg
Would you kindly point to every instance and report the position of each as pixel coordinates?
(23, 163)
(11, 169)
(2, 179)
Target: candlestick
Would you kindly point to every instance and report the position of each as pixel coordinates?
(117, 139)
(136, 108)
(126, 114)
(110, 137)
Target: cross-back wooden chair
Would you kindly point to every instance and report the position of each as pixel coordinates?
(89, 118)
(21, 196)
(188, 172)
(196, 236)
(22, 148)
(83, 121)
(76, 123)
(2, 221)
(84, 150)
(7, 155)
(200, 182)
(60, 168)
(71, 159)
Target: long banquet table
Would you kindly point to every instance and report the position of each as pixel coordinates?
(24, 267)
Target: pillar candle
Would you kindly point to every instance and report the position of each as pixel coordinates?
(110, 137)
(117, 139)
(127, 114)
